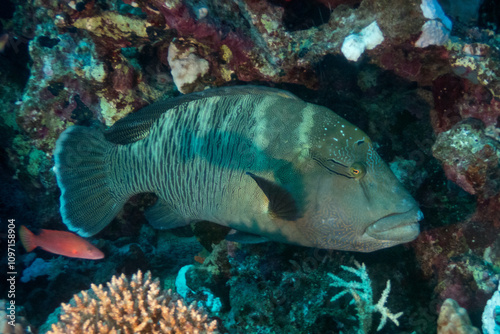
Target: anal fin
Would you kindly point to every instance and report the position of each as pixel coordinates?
(161, 216)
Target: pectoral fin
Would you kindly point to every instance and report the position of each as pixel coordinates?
(281, 202)
(161, 216)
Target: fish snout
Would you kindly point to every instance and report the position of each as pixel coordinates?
(401, 227)
(404, 205)
(401, 199)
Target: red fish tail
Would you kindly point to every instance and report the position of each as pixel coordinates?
(27, 238)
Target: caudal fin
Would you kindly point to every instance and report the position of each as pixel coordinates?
(27, 238)
(87, 201)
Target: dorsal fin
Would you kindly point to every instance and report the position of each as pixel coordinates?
(281, 202)
(136, 126)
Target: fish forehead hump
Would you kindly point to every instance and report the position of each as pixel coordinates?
(333, 137)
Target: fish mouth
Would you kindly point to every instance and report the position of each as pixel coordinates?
(401, 227)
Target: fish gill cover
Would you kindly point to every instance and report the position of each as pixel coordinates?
(420, 78)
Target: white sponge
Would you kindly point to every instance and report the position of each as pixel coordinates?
(432, 10)
(186, 66)
(355, 44)
(437, 30)
(433, 33)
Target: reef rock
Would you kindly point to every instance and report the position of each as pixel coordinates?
(454, 319)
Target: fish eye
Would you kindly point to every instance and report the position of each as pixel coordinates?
(357, 170)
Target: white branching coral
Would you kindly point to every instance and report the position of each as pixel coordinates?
(124, 307)
(362, 295)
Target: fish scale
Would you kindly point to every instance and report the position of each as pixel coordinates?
(255, 159)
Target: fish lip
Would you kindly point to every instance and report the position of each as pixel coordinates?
(399, 226)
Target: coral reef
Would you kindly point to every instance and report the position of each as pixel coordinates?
(470, 158)
(453, 258)
(85, 49)
(468, 144)
(273, 288)
(135, 306)
(424, 83)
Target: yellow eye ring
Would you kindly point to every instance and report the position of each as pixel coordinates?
(357, 170)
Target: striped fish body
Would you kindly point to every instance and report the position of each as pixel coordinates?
(197, 157)
(258, 160)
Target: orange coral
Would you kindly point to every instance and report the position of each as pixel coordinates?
(138, 306)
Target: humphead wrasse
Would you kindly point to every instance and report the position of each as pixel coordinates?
(255, 159)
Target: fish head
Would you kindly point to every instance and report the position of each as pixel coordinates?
(88, 251)
(355, 201)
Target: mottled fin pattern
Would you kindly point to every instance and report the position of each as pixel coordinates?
(281, 202)
(136, 126)
(161, 216)
(88, 203)
(27, 238)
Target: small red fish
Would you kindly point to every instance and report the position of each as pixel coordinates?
(59, 242)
